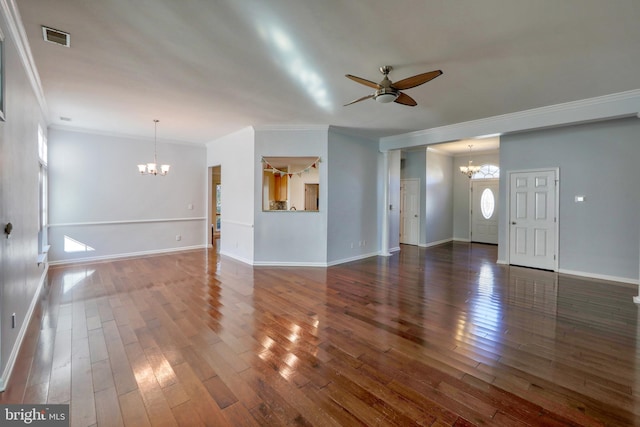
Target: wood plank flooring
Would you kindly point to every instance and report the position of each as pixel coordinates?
(436, 336)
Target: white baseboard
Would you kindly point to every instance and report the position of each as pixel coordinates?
(439, 242)
(600, 276)
(127, 255)
(396, 249)
(355, 258)
(297, 264)
(460, 239)
(288, 264)
(11, 361)
(502, 262)
(236, 257)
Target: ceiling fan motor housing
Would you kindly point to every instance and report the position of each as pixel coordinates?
(386, 94)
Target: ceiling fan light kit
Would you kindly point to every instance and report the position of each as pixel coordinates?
(387, 91)
(385, 96)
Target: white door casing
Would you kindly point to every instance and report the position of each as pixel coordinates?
(533, 236)
(409, 211)
(484, 210)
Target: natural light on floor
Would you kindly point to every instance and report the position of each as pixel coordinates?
(71, 279)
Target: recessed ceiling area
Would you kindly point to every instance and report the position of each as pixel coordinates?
(207, 69)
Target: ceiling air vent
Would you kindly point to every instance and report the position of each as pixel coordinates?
(56, 36)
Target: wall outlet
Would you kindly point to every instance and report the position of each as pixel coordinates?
(190, 206)
(178, 237)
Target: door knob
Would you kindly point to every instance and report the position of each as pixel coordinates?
(513, 223)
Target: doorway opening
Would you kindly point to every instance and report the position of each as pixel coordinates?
(216, 205)
(483, 217)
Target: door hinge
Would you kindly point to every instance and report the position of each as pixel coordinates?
(554, 257)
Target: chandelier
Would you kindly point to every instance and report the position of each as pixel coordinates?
(470, 169)
(152, 168)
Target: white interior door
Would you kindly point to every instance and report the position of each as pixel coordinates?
(532, 219)
(409, 211)
(484, 211)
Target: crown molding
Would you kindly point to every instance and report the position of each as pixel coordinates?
(17, 32)
(260, 128)
(617, 105)
(95, 132)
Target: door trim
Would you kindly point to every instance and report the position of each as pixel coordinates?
(507, 214)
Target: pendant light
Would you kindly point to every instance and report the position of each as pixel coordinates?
(470, 169)
(152, 168)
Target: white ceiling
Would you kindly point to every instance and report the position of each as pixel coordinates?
(208, 68)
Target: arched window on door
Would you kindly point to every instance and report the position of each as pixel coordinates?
(487, 171)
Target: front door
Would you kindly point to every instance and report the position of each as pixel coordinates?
(533, 219)
(484, 211)
(409, 211)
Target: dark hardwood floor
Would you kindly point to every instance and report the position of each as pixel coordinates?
(439, 336)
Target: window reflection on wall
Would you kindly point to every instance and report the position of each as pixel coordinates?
(290, 184)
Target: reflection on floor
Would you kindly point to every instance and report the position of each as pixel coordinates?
(429, 336)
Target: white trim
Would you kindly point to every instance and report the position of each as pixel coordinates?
(355, 258)
(243, 224)
(67, 128)
(11, 361)
(236, 257)
(460, 239)
(419, 197)
(18, 34)
(308, 264)
(127, 255)
(127, 221)
(436, 243)
(288, 264)
(616, 105)
(261, 128)
(600, 276)
(396, 249)
(502, 262)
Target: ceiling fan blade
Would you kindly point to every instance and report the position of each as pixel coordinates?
(405, 99)
(417, 80)
(363, 81)
(361, 99)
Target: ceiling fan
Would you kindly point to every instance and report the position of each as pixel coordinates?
(387, 91)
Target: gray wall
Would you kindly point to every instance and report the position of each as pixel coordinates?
(414, 166)
(434, 170)
(395, 158)
(20, 276)
(439, 198)
(235, 155)
(353, 198)
(98, 197)
(291, 237)
(344, 228)
(600, 161)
